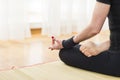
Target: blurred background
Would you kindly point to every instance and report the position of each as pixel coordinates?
(53, 17)
(26, 27)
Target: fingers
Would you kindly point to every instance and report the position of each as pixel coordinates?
(53, 43)
(51, 47)
(53, 40)
(54, 47)
(56, 44)
(57, 41)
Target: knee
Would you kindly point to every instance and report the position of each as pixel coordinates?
(62, 54)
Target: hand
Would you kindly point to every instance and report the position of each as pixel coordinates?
(89, 49)
(56, 44)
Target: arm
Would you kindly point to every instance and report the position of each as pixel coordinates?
(99, 15)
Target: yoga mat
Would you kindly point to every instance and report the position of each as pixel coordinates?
(52, 71)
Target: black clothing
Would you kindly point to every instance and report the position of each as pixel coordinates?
(68, 43)
(107, 62)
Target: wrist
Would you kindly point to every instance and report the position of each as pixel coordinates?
(69, 43)
(61, 45)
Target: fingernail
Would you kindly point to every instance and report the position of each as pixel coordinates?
(52, 37)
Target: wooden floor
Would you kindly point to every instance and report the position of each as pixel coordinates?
(32, 51)
(23, 60)
(52, 71)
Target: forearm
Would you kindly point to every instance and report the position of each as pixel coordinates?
(85, 34)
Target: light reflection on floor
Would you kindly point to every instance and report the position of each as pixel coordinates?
(32, 51)
(36, 53)
(25, 53)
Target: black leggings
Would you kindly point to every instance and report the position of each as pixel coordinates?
(106, 62)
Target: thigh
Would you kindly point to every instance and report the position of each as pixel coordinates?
(101, 63)
(76, 58)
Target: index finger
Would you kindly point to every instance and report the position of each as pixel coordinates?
(53, 40)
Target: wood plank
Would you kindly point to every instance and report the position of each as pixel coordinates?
(53, 71)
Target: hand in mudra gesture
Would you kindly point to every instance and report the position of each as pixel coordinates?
(56, 44)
